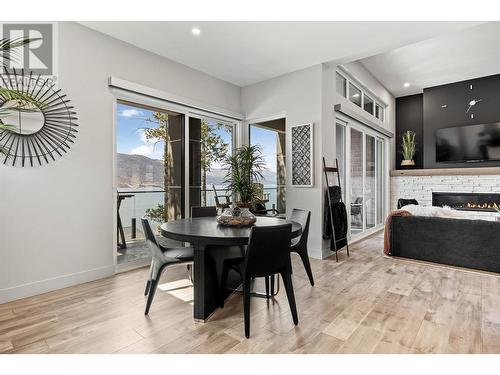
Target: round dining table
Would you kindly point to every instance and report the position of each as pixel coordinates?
(205, 234)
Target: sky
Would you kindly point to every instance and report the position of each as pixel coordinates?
(131, 140)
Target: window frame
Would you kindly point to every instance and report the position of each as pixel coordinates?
(338, 74)
(364, 92)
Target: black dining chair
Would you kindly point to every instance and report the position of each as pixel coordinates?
(268, 253)
(222, 256)
(299, 245)
(161, 257)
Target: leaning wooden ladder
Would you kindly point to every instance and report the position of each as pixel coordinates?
(327, 170)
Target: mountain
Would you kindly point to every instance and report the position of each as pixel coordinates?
(138, 171)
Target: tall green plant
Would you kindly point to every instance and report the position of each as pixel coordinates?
(408, 145)
(244, 169)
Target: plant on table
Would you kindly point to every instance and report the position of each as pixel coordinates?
(244, 170)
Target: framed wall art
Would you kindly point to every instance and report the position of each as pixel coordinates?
(302, 155)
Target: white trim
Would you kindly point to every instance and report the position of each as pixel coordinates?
(172, 98)
(311, 142)
(277, 116)
(349, 113)
(48, 285)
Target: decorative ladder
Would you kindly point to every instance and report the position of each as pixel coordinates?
(327, 170)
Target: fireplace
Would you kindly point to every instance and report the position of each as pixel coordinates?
(467, 201)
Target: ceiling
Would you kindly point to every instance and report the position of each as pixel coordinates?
(244, 53)
(458, 56)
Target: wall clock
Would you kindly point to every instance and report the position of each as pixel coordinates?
(472, 104)
(43, 131)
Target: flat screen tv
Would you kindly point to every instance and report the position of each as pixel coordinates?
(472, 143)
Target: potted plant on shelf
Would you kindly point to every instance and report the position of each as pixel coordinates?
(408, 148)
(244, 170)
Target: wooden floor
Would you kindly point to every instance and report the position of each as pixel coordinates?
(364, 304)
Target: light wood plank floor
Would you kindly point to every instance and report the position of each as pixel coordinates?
(364, 304)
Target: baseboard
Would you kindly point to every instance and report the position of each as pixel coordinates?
(59, 282)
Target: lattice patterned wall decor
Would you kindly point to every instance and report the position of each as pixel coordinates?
(302, 155)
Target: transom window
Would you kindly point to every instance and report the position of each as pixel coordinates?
(351, 90)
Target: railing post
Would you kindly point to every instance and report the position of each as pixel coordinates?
(134, 229)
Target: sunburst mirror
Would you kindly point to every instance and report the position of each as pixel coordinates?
(43, 129)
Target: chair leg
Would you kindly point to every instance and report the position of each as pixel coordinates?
(272, 285)
(307, 266)
(148, 283)
(287, 281)
(267, 286)
(347, 246)
(246, 306)
(151, 295)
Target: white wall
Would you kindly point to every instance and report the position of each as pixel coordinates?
(56, 221)
(297, 95)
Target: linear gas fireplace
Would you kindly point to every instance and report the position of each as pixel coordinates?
(467, 201)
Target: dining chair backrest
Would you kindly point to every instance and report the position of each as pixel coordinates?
(268, 250)
(151, 239)
(197, 211)
(302, 217)
(216, 196)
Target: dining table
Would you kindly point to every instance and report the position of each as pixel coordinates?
(205, 235)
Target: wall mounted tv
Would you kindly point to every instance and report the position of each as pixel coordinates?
(472, 143)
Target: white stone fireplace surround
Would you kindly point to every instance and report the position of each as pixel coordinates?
(420, 183)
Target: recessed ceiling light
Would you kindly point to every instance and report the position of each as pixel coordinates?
(196, 31)
(406, 84)
(355, 96)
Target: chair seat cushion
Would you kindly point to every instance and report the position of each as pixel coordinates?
(184, 254)
(294, 242)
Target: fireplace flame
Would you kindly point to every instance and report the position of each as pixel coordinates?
(476, 205)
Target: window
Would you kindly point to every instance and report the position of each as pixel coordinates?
(365, 180)
(210, 142)
(354, 94)
(147, 185)
(349, 88)
(368, 104)
(340, 154)
(379, 112)
(341, 84)
(271, 136)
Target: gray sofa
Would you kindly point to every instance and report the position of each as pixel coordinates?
(471, 244)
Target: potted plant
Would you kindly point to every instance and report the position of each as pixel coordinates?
(408, 148)
(244, 169)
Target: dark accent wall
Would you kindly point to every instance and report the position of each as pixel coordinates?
(409, 116)
(456, 97)
(433, 116)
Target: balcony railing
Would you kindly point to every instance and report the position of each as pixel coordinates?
(133, 208)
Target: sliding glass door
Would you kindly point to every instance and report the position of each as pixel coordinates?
(356, 182)
(361, 152)
(210, 142)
